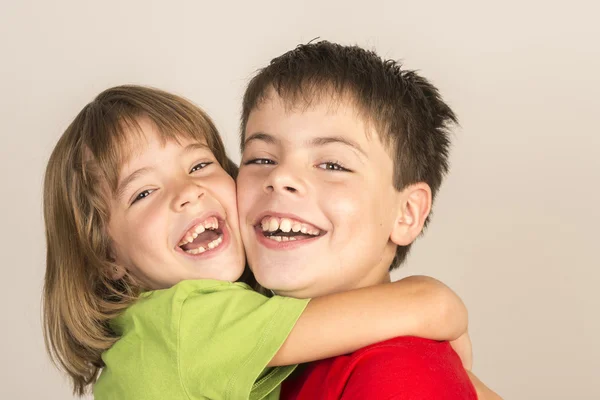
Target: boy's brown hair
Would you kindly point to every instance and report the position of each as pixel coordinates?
(80, 297)
(406, 110)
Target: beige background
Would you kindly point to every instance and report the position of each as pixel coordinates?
(516, 226)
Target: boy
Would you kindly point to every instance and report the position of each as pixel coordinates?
(343, 153)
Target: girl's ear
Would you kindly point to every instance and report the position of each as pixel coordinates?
(115, 272)
(413, 210)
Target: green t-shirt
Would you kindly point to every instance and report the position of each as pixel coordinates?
(200, 339)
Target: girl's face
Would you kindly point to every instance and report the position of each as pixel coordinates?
(174, 215)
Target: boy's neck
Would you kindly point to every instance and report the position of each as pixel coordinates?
(374, 280)
(370, 280)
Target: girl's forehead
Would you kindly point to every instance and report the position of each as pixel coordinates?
(147, 137)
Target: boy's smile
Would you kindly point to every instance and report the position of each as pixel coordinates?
(279, 231)
(316, 198)
(174, 216)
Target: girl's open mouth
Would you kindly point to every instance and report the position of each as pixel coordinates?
(203, 236)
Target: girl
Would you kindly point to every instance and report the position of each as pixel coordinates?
(143, 247)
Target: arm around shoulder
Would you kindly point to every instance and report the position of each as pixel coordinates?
(344, 322)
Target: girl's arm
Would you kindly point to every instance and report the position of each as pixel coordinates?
(483, 392)
(345, 322)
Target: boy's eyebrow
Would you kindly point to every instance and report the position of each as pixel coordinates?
(316, 142)
(322, 141)
(265, 137)
(127, 181)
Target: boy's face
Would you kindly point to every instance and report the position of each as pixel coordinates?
(175, 216)
(316, 200)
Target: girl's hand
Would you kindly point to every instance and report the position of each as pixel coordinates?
(483, 392)
(462, 346)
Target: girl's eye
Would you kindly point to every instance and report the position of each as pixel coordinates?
(260, 161)
(142, 195)
(332, 166)
(200, 166)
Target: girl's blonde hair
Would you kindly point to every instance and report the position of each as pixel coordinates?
(80, 298)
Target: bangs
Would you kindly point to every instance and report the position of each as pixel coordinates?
(113, 134)
(315, 90)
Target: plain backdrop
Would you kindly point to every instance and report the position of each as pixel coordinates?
(516, 224)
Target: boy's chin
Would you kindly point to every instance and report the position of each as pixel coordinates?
(296, 289)
(282, 286)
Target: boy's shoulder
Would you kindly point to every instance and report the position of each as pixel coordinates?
(400, 368)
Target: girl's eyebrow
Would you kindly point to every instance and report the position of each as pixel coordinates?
(196, 146)
(122, 186)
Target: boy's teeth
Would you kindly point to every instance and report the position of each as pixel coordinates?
(282, 238)
(285, 225)
(272, 224)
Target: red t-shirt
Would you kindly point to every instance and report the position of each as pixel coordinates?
(401, 368)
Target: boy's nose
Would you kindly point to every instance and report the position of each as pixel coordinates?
(284, 181)
(189, 194)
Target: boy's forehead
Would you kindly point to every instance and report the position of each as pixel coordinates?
(337, 109)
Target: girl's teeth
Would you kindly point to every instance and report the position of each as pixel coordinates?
(215, 243)
(211, 223)
(196, 251)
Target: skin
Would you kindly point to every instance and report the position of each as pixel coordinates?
(180, 185)
(167, 187)
(323, 166)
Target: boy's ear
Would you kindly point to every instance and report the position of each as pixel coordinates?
(413, 209)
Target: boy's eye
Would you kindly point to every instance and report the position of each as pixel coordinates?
(260, 161)
(142, 195)
(332, 166)
(200, 166)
